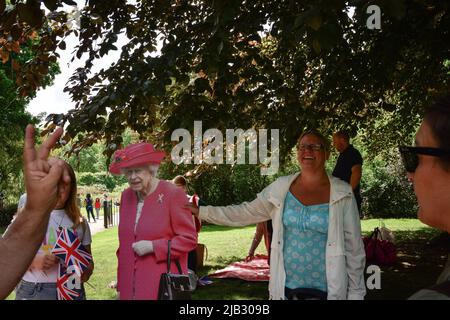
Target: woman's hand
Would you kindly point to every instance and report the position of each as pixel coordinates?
(249, 258)
(44, 261)
(194, 209)
(142, 247)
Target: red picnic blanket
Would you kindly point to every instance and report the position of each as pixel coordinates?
(254, 270)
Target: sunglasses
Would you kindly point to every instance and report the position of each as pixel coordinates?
(411, 159)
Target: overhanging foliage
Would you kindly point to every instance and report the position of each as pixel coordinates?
(241, 64)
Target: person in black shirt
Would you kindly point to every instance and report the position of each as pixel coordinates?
(348, 165)
(89, 207)
(106, 216)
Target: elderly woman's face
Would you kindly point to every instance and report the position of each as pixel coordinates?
(311, 153)
(431, 184)
(139, 178)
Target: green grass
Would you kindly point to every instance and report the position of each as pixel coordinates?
(418, 267)
(394, 224)
(104, 246)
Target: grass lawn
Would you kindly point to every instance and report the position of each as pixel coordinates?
(419, 262)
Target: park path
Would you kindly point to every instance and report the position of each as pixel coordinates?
(97, 226)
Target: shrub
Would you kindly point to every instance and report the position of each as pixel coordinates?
(6, 214)
(386, 191)
(101, 179)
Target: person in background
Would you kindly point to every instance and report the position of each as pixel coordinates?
(97, 206)
(39, 282)
(180, 181)
(105, 206)
(89, 207)
(43, 177)
(317, 250)
(152, 212)
(348, 165)
(428, 167)
(263, 229)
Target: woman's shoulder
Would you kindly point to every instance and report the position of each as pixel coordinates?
(283, 180)
(84, 223)
(340, 185)
(84, 231)
(278, 188)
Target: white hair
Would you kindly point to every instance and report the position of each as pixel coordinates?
(153, 168)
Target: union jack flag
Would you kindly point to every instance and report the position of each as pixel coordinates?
(74, 258)
(70, 250)
(65, 287)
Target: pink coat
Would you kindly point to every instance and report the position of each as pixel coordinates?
(163, 217)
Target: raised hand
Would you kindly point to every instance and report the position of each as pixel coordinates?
(42, 175)
(22, 239)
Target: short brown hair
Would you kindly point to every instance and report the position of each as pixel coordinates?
(179, 181)
(342, 134)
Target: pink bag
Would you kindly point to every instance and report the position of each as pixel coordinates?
(379, 251)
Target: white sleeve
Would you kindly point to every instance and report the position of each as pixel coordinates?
(354, 251)
(246, 213)
(87, 237)
(22, 201)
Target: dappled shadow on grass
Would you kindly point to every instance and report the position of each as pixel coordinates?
(420, 261)
(229, 289)
(232, 289)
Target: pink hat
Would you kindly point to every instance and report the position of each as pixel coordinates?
(134, 155)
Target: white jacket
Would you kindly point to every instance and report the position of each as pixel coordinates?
(345, 256)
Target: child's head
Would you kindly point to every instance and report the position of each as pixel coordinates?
(180, 181)
(67, 197)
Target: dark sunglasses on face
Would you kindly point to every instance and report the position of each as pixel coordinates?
(411, 159)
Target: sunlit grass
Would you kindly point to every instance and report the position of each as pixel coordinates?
(224, 245)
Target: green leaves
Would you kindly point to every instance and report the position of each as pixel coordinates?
(311, 18)
(276, 64)
(51, 5)
(31, 13)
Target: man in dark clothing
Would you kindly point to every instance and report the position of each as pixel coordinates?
(106, 216)
(348, 165)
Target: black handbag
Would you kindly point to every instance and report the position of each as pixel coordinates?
(173, 286)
